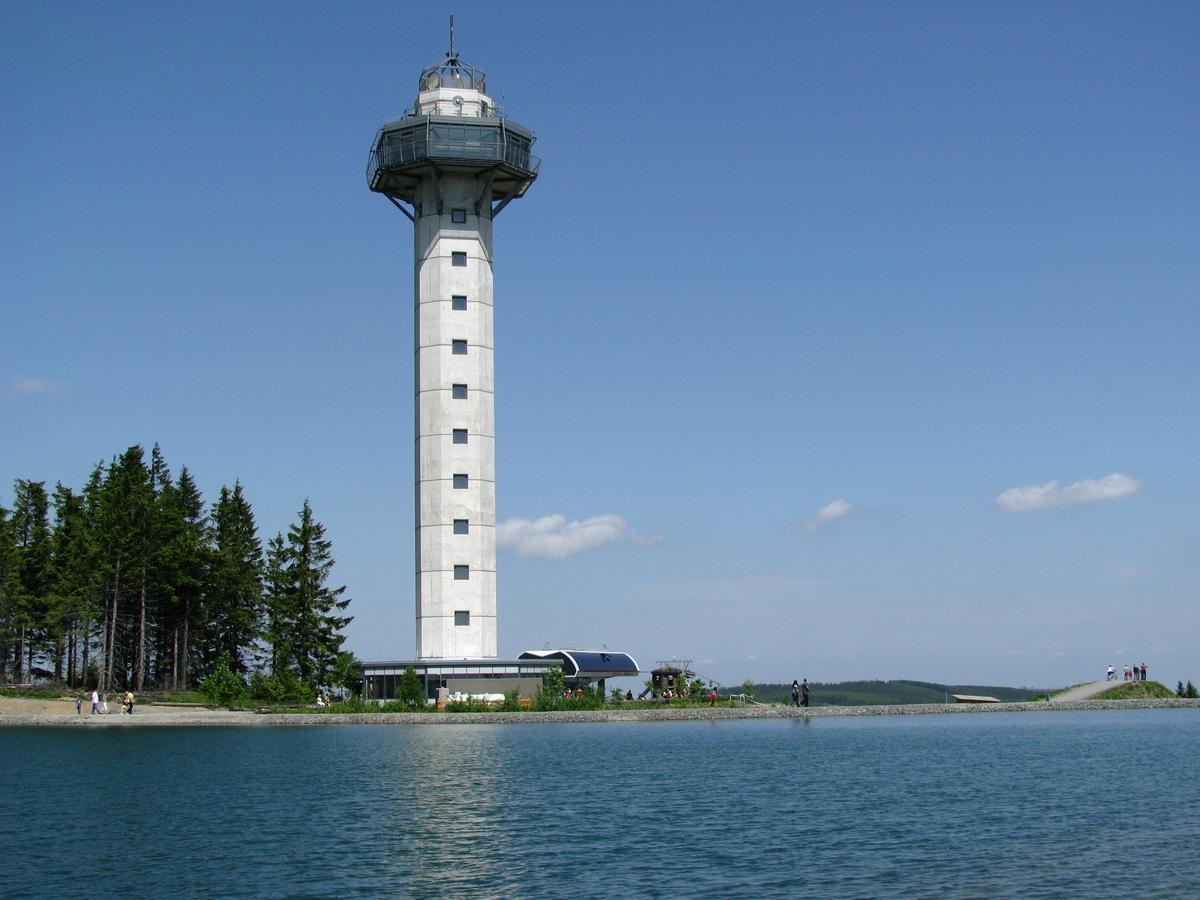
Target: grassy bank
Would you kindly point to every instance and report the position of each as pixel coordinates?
(885, 693)
(1138, 690)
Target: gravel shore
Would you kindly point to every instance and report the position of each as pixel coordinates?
(175, 717)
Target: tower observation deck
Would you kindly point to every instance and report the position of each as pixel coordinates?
(451, 164)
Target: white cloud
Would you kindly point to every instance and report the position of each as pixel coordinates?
(1043, 496)
(25, 387)
(827, 514)
(553, 537)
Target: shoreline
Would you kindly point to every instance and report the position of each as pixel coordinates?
(209, 718)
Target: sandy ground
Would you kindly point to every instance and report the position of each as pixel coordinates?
(19, 706)
(61, 713)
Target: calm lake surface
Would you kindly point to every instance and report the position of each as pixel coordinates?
(1030, 804)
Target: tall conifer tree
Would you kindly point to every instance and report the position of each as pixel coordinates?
(234, 597)
(312, 606)
(8, 591)
(31, 531)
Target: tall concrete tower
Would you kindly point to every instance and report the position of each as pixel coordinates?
(451, 164)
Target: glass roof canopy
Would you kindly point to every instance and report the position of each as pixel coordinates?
(453, 72)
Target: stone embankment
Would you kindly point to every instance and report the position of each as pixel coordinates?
(664, 714)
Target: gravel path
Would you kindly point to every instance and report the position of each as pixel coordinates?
(1083, 691)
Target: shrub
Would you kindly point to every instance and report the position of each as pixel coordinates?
(550, 694)
(224, 687)
(468, 706)
(280, 687)
(412, 692)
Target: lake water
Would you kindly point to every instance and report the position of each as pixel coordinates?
(1034, 804)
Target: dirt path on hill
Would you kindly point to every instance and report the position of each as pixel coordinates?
(1083, 691)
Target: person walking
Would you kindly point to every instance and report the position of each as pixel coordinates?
(1143, 671)
(127, 702)
(104, 704)
(79, 705)
(95, 702)
(804, 692)
(795, 693)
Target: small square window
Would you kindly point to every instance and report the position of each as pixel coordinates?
(458, 348)
(462, 573)
(460, 482)
(459, 302)
(458, 216)
(459, 391)
(462, 526)
(460, 435)
(462, 617)
(458, 258)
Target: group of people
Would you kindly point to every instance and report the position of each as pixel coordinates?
(100, 704)
(1132, 673)
(800, 692)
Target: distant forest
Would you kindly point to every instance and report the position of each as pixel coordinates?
(133, 582)
(878, 693)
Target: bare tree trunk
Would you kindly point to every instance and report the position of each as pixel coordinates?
(175, 661)
(111, 639)
(141, 660)
(187, 615)
(71, 638)
(20, 660)
(87, 627)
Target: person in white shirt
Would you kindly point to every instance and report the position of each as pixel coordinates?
(95, 702)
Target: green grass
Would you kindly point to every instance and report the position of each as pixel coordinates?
(37, 693)
(1137, 690)
(878, 693)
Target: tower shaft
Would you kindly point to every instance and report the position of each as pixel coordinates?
(455, 421)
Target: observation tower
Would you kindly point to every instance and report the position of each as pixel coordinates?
(451, 164)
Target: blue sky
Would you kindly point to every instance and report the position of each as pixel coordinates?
(809, 305)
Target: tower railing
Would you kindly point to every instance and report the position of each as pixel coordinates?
(477, 149)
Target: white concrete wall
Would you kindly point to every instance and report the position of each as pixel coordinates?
(440, 102)
(438, 503)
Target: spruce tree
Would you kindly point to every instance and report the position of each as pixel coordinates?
(8, 591)
(233, 605)
(315, 640)
(34, 581)
(278, 603)
(73, 579)
(181, 571)
(126, 502)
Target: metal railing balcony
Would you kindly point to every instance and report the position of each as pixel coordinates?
(408, 152)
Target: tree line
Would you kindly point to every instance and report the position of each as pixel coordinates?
(134, 583)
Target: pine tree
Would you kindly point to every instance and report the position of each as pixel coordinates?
(126, 502)
(73, 579)
(8, 590)
(180, 574)
(278, 604)
(235, 591)
(315, 640)
(34, 582)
